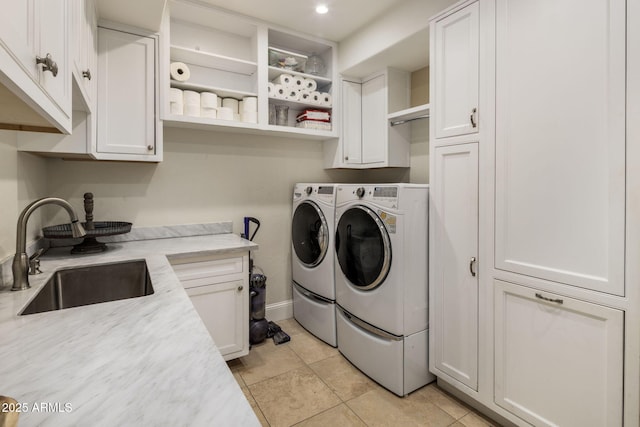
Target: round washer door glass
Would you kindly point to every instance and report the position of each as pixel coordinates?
(363, 248)
(309, 234)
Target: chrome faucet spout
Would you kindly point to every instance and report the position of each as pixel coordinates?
(20, 266)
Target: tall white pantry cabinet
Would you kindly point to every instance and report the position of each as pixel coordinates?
(535, 209)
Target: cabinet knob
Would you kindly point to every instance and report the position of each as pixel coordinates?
(48, 64)
(472, 264)
(87, 74)
(150, 147)
(472, 117)
(240, 288)
(346, 158)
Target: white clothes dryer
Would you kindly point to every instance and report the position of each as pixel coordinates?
(312, 254)
(382, 282)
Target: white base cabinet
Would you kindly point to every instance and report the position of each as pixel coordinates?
(219, 290)
(558, 360)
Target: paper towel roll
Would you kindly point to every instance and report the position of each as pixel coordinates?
(305, 96)
(180, 71)
(279, 92)
(315, 97)
(208, 100)
(249, 116)
(230, 103)
(249, 103)
(219, 102)
(236, 117)
(210, 113)
(299, 82)
(325, 99)
(191, 98)
(284, 80)
(176, 108)
(175, 95)
(292, 95)
(271, 88)
(192, 110)
(225, 113)
(310, 85)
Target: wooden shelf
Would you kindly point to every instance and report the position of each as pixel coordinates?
(211, 60)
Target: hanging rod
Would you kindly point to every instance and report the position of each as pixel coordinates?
(401, 122)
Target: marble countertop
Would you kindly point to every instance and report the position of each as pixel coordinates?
(139, 361)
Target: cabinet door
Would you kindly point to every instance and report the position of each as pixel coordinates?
(17, 32)
(126, 93)
(352, 122)
(224, 309)
(374, 120)
(560, 141)
(53, 35)
(454, 282)
(558, 360)
(455, 100)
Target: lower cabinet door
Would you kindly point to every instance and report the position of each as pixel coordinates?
(224, 309)
(558, 360)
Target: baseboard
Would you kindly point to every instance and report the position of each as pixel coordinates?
(279, 310)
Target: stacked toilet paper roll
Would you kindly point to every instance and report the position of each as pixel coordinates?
(249, 109)
(176, 101)
(191, 103)
(209, 105)
(296, 88)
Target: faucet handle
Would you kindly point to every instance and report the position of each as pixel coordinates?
(34, 262)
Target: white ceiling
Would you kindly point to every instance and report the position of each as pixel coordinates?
(344, 17)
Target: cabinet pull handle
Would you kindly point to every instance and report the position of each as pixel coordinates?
(48, 64)
(556, 300)
(240, 288)
(472, 262)
(472, 117)
(87, 74)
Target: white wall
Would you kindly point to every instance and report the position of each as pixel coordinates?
(208, 177)
(23, 178)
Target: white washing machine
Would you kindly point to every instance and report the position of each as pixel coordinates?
(312, 259)
(382, 282)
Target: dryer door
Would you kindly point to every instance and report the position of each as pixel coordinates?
(309, 234)
(363, 248)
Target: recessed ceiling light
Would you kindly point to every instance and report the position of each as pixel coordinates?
(322, 9)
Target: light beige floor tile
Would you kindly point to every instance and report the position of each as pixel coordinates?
(382, 408)
(444, 401)
(311, 349)
(291, 327)
(474, 420)
(293, 397)
(340, 416)
(342, 377)
(267, 361)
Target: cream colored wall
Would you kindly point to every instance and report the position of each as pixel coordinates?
(208, 177)
(23, 178)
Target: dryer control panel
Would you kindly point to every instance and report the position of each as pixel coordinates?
(325, 192)
(381, 195)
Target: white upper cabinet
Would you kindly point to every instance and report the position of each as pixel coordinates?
(560, 141)
(126, 94)
(455, 72)
(84, 50)
(30, 30)
(352, 121)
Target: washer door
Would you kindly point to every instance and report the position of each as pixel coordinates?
(363, 248)
(309, 234)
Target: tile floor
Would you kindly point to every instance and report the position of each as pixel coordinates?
(306, 382)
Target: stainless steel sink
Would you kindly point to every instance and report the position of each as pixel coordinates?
(73, 287)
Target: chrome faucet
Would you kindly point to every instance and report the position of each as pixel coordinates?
(20, 266)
